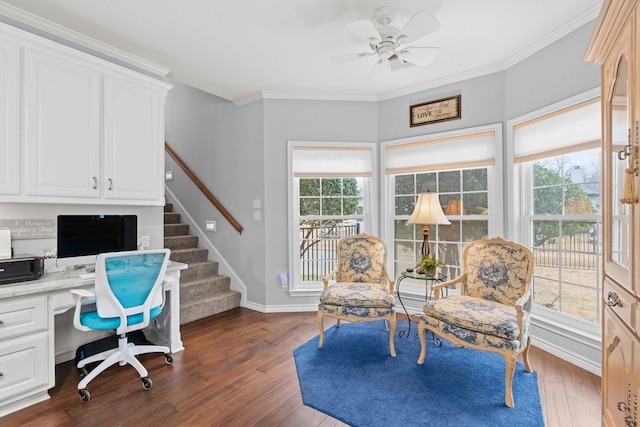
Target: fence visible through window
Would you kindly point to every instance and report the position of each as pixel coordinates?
(318, 249)
(579, 251)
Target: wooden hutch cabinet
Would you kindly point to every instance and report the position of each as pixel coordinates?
(614, 45)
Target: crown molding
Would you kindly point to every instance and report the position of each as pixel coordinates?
(454, 78)
(27, 21)
(309, 96)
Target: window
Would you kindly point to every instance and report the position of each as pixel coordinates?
(558, 157)
(464, 196)
(468, 185)
(330, 199)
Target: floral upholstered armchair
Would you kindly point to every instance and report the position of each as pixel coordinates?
(362, 290)
(492, 311)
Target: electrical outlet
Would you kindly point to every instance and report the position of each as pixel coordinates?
(284, 279)
(210, 225)
(168, 176)
(144, 241)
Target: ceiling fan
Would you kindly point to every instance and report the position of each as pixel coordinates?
(392, 45)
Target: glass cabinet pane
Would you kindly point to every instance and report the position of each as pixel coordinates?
(619, 237)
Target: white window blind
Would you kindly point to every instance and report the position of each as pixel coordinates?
(451, 152)
(575, 127)
(323, 161)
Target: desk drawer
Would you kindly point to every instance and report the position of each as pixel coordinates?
(19, 316)
(23, 364)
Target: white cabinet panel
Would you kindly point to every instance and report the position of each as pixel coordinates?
(24, 365)
(133, 140)
(9, 117)
(62, 126)
(21, 316)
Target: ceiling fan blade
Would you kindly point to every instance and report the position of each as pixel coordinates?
(421, 56)
(421, 25)
(378, 68)
(365, 30)
(341, 59)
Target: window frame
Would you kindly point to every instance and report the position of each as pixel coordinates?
(369, 201)
(519, 212)
(495, 191)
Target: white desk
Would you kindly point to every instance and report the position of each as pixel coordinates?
(27, 331)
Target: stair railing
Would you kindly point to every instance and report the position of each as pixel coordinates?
(203, 188)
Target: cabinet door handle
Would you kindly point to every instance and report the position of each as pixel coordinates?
(95, 182)
(613, 299)
(110, 184)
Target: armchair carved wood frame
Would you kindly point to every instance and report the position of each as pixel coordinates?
(492, 311)
(362, 290)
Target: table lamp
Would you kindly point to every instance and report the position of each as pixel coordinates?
(427, 211)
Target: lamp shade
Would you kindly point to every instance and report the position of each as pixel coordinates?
(428, 210)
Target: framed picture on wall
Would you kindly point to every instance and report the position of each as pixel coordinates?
(439, 110)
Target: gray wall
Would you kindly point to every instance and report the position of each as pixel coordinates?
(301, 121)
(551, 74)
(224, 146)
(482, 103)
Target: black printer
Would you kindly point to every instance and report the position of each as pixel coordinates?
(21, 268)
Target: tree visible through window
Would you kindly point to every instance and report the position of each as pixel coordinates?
(329, 209)
(565, 232)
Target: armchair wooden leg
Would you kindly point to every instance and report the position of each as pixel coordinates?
(525, 356)
(508, 380)
(423, 343)
(392, 332)
(321, 327)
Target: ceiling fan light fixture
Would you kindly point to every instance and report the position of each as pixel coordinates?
(384, 15)
(392, 44)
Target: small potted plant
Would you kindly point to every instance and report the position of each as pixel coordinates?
(428, 265)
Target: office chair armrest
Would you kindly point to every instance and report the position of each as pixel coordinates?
(80, 295)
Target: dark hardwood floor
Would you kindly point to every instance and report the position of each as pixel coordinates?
(238, 370)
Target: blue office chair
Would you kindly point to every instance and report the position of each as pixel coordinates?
(129, 293)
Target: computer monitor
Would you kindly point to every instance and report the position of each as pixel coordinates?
(81, 237)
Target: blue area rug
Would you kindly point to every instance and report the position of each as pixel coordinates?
(354, 379)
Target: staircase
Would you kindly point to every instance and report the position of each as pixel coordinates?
(203, 292)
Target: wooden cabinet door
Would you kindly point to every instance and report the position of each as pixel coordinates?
(133, 140)
(617, 371)
(61, 125)
(617, 89)
(9, 117)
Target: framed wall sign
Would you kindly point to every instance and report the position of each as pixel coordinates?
(439, 110)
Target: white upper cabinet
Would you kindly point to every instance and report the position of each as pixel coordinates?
(9, 117)
(61, 127)
(75, 128)
(133, 126)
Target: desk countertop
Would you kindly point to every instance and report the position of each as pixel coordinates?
(59, 281)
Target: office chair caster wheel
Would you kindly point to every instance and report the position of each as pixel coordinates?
(147, 384)
(83, 372)
(85, 396)
(169, 358)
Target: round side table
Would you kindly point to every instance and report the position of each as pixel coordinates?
(428, 282)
